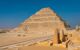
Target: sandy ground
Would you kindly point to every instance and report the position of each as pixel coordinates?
(8, 39)
(36, 48)
(41, 48)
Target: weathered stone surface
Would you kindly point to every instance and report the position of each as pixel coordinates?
(74, 37)
(44, 21)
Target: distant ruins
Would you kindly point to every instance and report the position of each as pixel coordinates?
(47, 21)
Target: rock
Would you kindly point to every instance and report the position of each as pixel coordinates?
(44, 21)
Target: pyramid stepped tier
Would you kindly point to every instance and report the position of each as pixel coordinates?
(44, 21)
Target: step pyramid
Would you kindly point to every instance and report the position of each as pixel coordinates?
(43, 21)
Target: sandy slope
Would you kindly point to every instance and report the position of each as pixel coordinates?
(41, 48)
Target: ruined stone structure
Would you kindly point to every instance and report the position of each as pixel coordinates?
(44, 21)
(74, 37)
(47, 21)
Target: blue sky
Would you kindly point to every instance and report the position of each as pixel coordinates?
(13, 12)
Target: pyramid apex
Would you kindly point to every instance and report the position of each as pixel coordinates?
(46, 8)
(45, 11)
